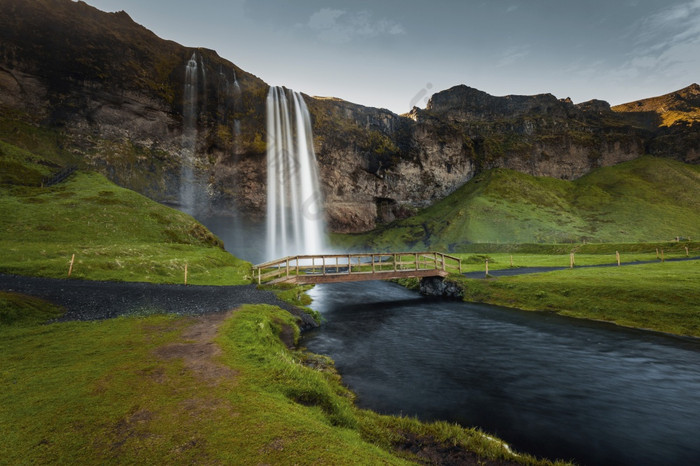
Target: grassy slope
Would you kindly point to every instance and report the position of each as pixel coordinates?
(115, 234)
(100, 392)
(648, 199)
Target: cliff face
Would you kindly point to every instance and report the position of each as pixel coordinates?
(115, 92)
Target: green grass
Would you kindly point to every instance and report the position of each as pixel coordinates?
(647, 199)
(115, 234)
(80, 393)
(106, 392)
(21, 310)
(295, 295)
(553, 255)
(302, 390)
(661, 296)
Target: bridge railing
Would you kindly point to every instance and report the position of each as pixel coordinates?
(287, 268)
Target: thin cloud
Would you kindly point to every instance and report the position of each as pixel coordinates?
(666, 42)
(513, 55)
(340, 26)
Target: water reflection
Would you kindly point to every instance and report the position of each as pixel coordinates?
(550, 385)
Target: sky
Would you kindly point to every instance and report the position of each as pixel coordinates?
(395, 54)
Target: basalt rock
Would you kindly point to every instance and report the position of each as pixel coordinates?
(438, 286)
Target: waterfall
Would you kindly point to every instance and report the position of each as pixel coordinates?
(236, 105)
(189, 137)
(295, 216)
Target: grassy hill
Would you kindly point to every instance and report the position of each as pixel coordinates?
(115, 233)
(647, 199)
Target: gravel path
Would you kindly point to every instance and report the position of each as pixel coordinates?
(93, 300)
(528, 270)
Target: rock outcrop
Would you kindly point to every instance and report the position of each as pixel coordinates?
(113, 92)
(440, 287)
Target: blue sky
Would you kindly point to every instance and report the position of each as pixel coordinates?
(395, 54)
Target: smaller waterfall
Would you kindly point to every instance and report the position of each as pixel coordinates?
(187, 192)
(236, 87)
(295, 216)
(189, 105)
(236, 107)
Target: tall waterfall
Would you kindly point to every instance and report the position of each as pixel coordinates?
(295, 216)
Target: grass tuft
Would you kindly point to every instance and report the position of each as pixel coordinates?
(18, 309)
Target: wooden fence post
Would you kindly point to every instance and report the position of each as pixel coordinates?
(686, 251)
(511, 261)
(487, 267)
(185, 273)
(70, 267)
(571, 260)
(617, 255)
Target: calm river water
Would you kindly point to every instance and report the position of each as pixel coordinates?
(548, 385)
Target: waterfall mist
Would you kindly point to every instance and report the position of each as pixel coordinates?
(295, 215)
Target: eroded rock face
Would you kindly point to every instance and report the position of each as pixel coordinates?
(114, 91)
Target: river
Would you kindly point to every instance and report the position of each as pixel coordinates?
(548, 385)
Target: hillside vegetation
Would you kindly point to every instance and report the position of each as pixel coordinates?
(115, 233)
(648, 199)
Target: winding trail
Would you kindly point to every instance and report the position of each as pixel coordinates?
(95, 300)
(529, 270)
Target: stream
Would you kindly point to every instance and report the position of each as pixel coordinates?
(548, 385)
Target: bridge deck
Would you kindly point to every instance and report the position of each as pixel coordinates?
(334, 268)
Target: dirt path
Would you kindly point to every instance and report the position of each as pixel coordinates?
(199, 350)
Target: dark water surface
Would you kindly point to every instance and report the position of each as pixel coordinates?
(548, 385)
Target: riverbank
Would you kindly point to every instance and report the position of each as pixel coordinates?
(657, 296)
(550, 385)
(219, 387)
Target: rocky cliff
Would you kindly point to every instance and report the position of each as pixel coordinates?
(113, 92)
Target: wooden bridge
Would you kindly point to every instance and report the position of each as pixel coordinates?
(333, 268)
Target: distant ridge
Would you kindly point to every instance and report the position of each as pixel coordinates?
(681, 105)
